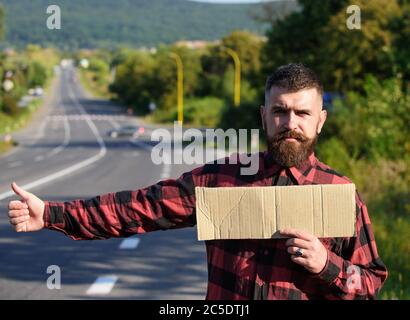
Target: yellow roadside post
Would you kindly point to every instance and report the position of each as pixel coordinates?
(237, 86)
(180, 86)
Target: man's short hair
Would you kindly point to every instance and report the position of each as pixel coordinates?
(293, 77)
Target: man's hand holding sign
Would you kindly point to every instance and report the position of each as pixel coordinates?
(306, 250)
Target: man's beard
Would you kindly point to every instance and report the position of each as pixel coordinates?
(290, 153)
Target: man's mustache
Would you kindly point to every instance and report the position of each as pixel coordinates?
(290, 134)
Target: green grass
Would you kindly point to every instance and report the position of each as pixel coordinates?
(5, 146)
(10, 124)
(93, 87)
(394, 249)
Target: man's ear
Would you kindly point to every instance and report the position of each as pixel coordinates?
(322, 119)
(262, 112)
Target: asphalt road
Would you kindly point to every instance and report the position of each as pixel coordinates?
(65, 154)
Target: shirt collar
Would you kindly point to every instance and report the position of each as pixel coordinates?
(299, 173)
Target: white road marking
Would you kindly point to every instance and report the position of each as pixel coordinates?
(41, 129)
(129, 243)
(73, 168)
(57, 174)
(95, 117)
(103, 285)
(15, 164)
(59, 148)
(65, 142)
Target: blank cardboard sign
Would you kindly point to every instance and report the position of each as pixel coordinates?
(326, 210)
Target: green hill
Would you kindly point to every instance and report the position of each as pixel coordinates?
(96, 23)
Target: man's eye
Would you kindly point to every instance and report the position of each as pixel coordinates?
(279, 111)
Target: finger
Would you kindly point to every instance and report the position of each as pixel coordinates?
(18, 220)
(292, 250)
(20, 192)
(294, 242)
(18, 213)
(300, 260)
(21, 227)
(295, 233)
(17, 204)
(305, 253)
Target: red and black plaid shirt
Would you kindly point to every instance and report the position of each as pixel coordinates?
(237, 269)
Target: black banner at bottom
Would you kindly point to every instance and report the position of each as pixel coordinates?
(191, 309)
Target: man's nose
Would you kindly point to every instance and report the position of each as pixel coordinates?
(289, 121)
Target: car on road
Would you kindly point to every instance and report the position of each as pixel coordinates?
(36, 92)
(126, 131)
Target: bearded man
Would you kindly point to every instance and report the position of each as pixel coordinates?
(300, 266)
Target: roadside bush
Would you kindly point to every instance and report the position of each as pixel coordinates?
(205, 112)
(10, 105)
(36, 74)
(246, 116)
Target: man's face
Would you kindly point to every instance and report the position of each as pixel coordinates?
(292, 122)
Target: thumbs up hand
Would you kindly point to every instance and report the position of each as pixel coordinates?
(26, 214)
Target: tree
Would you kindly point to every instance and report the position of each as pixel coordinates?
(297, 37)
(317, 35)
(372, 124)
(36, 74)
(133, 80)
(401, 41)
(269, 12)
(248, 47)
(348, 55)
(218, 66)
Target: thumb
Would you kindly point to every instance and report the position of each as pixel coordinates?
(19, 191)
